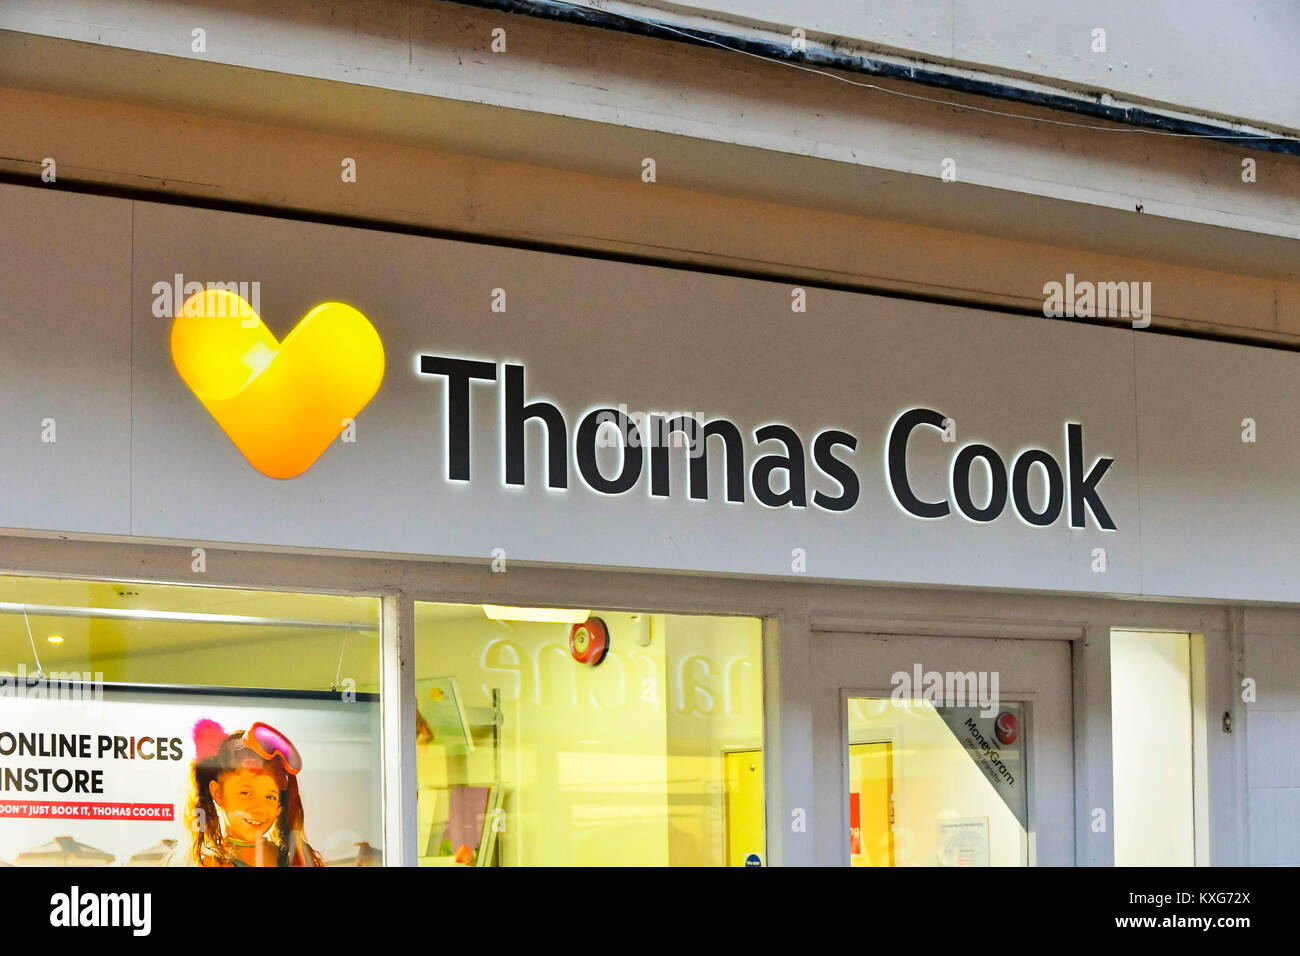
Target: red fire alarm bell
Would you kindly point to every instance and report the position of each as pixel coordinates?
(589, 641)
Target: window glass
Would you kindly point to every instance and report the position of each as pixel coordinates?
(932, 785)
(1152, 734)
(145, 724)
(631, 739)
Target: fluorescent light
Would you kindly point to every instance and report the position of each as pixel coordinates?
(55, 639)
(547, 615)
(187, 617)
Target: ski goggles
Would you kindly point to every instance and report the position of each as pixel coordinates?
(267, 742)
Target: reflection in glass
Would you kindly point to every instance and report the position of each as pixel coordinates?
(530, 755)
(934, 785)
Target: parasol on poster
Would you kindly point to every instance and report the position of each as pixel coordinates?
(154, 855)
(63, 851)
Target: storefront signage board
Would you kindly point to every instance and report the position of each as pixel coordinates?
(1193, 506)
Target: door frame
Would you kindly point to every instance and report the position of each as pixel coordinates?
(848, 669)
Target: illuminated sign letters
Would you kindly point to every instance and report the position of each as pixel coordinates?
(1082, 489)
(1069, 489)
(517, 411)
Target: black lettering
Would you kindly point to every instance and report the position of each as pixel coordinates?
(459, 372)
(835, 469)
(1020, 487)
(1083, 491)
(659, 466)
(796, 492)
(961, 466)
(733, 460)
(517, 415)
(896, 462)
(585, 450)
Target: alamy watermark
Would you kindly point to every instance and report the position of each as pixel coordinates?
(651, 430)
(72, 687)
(1086, 300)
(131, 911)
(171, 296)
(948, 688)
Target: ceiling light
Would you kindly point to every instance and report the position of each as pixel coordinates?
(547, 615)
(55, 639)
(187, 617)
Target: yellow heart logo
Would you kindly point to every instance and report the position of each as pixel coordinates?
(281, 403)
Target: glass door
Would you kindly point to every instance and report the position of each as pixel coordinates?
(938, 751)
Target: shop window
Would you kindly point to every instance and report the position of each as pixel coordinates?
(1157, 737)
(119, 702)
(628, 739)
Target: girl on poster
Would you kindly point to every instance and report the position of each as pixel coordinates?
(244, 808)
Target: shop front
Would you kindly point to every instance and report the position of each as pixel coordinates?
(532, 559)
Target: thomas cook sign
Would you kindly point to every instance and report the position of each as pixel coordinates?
(770, 465)
(396, 402)
(865, 439)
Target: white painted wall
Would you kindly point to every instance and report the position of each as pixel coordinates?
(1272, 663)
(1209, 56)
(505, 105)
(1216, 56)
